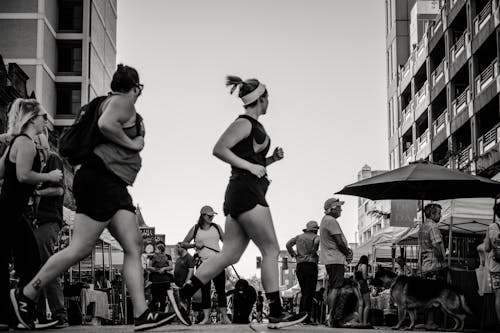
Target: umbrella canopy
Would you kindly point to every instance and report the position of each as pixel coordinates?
(421, 181)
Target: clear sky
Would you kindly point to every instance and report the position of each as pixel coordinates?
(323, 62)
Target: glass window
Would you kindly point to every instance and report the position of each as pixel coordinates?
(70, 15)
(68, 99)
(69, 57)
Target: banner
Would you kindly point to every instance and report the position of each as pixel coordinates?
(403, 213)
(148, 239)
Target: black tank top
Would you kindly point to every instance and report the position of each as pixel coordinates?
(254, 147)
(15, 195)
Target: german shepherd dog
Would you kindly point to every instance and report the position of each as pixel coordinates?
(410, 293)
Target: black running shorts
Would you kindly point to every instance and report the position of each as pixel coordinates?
(244, 192)
(98, 192)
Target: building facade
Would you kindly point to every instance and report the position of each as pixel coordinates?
(372, 215)
(443, 90)
(66, 47)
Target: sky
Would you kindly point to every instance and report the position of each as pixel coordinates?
(323, 63)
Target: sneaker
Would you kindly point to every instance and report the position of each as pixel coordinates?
(23, 307)
(62, 323)
(152, 319)
(40, 325)
(180, 308)
(286, 320)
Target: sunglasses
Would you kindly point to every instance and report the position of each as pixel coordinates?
(44, 116)
(211, 216)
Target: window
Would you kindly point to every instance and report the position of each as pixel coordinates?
(69, 57)
(68, 99)
(70, 15)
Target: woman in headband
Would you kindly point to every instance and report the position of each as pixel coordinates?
(244, 145)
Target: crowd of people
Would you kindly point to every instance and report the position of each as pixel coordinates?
(33, 179)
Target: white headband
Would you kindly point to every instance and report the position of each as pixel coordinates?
(254, 95)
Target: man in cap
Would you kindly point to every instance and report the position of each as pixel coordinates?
(335, 251)
(307, 245)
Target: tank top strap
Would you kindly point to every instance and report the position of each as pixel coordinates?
(14, 139)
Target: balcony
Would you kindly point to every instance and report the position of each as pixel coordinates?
(482, 18)
(408, 156)
(405, 74)
(459, 47)
(436, 25)
(464, 157)
(488, 76)
(407, 117)
(423, 145)
(452, 3)
(460, 103)
(420, 53)
(421, 99)
(489, 140)
(438, 73)
(440, 123)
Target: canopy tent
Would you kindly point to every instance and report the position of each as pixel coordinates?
(380, 245)
(469, 216)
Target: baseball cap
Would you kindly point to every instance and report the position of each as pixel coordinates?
(333, 202)
(311, 226)
(207, 210)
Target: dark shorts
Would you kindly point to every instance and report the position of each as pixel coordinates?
(363, 287)
(99, 193)
(335, 275)
(243, 193)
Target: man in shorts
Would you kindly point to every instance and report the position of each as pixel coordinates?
(334, 252)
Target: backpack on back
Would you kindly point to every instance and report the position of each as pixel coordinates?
(78, 141)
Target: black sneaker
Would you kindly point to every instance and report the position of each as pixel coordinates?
(23, 307)
(286, 320)
(43, 325)
(62, 323)
(180, 308)
(152, 319)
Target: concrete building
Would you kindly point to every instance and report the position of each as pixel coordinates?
(372, 215)
(443, 90)
(66, 47)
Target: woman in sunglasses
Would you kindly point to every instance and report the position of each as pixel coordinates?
(20, 170)
(103, 201)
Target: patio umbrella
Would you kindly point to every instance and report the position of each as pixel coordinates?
(423, 181)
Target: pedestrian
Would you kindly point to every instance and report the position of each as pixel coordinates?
(207, 235)
(48, 223)
(492, 248)
(21, 173)
(335, 253)
(432, 252)
(307, 245)
(361, 277)
(184, 266)
(244, 145)
(103, 201)
(160, 274)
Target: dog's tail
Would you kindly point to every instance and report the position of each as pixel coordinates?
(464, 305)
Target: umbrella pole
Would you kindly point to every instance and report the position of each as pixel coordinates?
(450, 243)
(419, 240)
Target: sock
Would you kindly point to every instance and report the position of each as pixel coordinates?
(188, 290)
(274, 301)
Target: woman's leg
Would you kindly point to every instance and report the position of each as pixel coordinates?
(235, 243)
(366, 310)
(258, 225)
(85, 234)
(124, 228)
(206, 302)
(220, 287)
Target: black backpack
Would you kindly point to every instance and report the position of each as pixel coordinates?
(197, 227)
(78, 141)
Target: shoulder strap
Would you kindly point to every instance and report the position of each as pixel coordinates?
(196, 228)
(12, 142)
(217, 228)
(212, 224)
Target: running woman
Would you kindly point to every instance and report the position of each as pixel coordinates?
(102, 201)
(244, 145)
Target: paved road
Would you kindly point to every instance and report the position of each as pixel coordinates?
(261, 328)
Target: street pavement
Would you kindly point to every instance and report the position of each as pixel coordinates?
(259, 328)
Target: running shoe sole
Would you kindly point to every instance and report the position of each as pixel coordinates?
(13, 300)
(155, 324)
(282, 324)
(173, 302)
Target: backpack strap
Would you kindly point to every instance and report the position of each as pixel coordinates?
(212, 224)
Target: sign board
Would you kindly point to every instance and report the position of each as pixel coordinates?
(403, 213)
(148, 239)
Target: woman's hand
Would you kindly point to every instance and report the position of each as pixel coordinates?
(138, 143)
(258, 170)
(199, 244)
(278, 154)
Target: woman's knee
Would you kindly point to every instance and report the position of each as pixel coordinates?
(230, 258)
(271, 251)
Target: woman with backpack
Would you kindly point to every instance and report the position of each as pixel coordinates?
(206, 235)
(244, 146)
(20, 170)
(102, 201)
